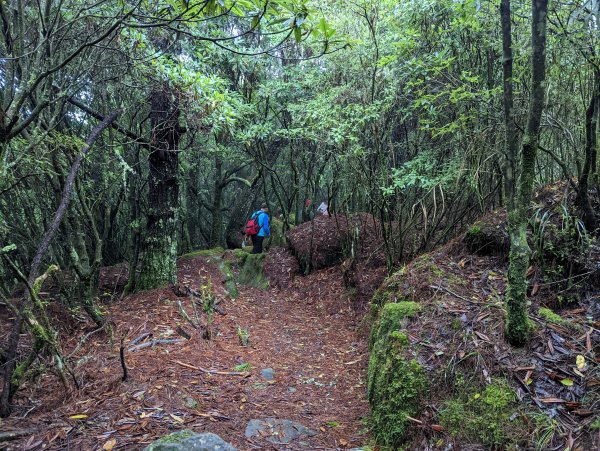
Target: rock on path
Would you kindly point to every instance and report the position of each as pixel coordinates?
(279, 432)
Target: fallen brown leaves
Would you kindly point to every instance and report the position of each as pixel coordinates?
(305, 328)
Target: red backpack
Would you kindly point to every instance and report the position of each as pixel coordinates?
(252, 226)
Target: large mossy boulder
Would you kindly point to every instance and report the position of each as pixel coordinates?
(187, 440)
(395, 381)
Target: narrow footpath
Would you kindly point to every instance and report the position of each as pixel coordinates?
(305, 362)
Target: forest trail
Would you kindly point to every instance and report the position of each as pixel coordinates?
(305, 329)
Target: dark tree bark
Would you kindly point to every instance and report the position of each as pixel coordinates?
(510, 146)
(591, 121)
(216, 231)
(517, 321)
(160, 245)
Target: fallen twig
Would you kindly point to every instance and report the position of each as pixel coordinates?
(11, 435)
(122, 355)
(140, 338)
(83, 339)
(452, 293)
(183, 333)
(154, 343)
(186, 316)
(204, 370)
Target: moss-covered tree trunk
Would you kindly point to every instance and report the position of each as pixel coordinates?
(160, 245)
(517, 322)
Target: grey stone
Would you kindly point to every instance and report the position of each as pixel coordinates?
(187, 440)
(292, 390)
(268, 373)
(279, 432)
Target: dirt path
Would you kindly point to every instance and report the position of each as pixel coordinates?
(305, 329)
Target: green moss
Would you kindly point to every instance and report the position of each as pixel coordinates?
(395, 384)
(456, 325)
(475, 229)
(550, 316)
(595, 425)
(175, 437)
(391, 318)
(555, 318)
(240, 253)
(159, 263)
(517, 322)
(484, 417)
(214, 252)
(389, 290)
(251, 271)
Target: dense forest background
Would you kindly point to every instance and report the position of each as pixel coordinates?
(390, 108)
(138, 131)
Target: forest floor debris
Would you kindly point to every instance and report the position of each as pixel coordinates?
(303, 328)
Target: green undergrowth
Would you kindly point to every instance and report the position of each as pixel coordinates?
(395, 383)
(492, 416)
(486, 416)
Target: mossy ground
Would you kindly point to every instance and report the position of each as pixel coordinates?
(459, 330)
(250, 267)
(550, 316)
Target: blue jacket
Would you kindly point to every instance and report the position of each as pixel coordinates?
(263, 222)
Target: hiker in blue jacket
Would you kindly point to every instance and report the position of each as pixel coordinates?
(263, 222)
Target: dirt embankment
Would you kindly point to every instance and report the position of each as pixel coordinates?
(438, 354)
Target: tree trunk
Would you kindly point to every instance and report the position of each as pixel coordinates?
(517, 321)
(160, 246)
(510, 146)
(216, 230)
(591, 120)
